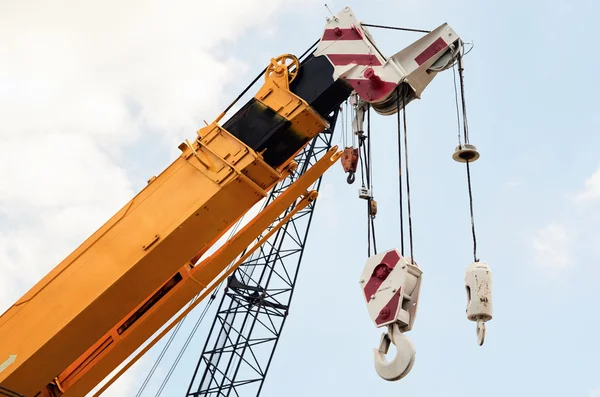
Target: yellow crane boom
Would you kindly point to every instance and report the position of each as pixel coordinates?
(102, 302)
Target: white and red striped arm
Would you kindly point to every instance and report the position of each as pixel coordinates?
(354, 55)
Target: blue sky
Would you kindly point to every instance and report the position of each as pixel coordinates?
(531, 99)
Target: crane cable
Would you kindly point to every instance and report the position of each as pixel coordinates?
(466, 139)
(402, 108)
(400, 201)
(366, 169)
(410, 239)
(186, 344)
(395, 28)
(176, 331)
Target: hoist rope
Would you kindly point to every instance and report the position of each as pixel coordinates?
(370, 216)
(457, 106)
(400, 201)
(352, 117)
(344, 122)
(395, 28)
(410, 238)
(472, 217)
(462, 95)
(347, 128)
(362, 161)
(177, 328)
(402, 108)
(185, 345)
(466, 137)
(159, 359)
(366, 169)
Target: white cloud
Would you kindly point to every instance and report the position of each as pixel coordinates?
(595, 392)
(552, 248)
(591, 191)
(81, 83)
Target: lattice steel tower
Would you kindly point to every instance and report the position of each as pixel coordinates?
(253, 309)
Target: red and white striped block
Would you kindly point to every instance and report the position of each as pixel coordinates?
(354, 55)
(391, 286)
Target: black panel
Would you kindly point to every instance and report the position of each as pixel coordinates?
(316, 86)
(254, 123)
(261, 128)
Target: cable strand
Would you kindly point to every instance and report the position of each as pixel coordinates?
(370, 216)
(472, 215)
(401, 201)
(395, 28)
(410, 229)
(457, 105)
(466, 136)
(462, 94)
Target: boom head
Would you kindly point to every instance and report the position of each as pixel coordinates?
(352, 51)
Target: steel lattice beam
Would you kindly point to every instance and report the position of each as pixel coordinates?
(253, 309)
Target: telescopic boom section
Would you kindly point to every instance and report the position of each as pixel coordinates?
(101, 303)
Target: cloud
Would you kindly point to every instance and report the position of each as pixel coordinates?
(552, 246)
(591, 191)
(595, 392)
(85, 90)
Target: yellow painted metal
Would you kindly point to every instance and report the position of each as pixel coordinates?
(185, 209)
(306, 123)
(280, 67)
(95, 297)
(112, 349)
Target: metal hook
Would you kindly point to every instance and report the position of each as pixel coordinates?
(480, 332)
(351, 178)
(401, 365)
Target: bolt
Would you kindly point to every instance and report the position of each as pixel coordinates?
(362, 280)
(384, 313)
(372, 296)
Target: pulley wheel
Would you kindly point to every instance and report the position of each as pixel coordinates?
(285, 61)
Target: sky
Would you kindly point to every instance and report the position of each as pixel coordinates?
(96, 97)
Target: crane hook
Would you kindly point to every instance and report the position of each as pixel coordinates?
(480, 332)
(401, 365)
(351, 178)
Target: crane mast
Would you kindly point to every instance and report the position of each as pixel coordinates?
(121, 285)
(253, 308)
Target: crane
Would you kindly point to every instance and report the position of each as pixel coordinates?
(138, 270)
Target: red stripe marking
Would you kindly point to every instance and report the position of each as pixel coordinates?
(365, 88)
(359, 59)
(430, 51)
(389, 311)
(390, 259)
(341, 34)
